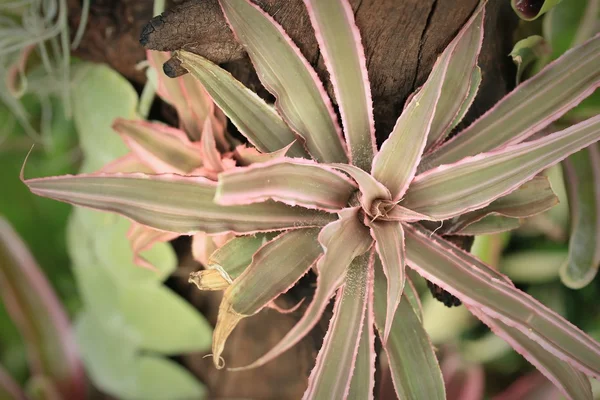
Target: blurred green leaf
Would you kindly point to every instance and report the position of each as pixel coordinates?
(534, 266)
(526, 52)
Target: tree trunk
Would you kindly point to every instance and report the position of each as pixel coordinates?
(402, 39)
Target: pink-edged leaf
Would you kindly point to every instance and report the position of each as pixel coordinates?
(460, 84)
(474, 182)
(275, 268)
(249, 155)
(342, 241)
(342, 49)
(389, 242)
(370, 189)
(214, 160)
(283, 70)
(173, 203)
(533, 105)
(234, 256)
(160, 147)
(463, 381)
(489, 225)
(127, 163)
(142, 238)
(479, 286)
(332, 375)
(9, 389)
(39, 316)
(582, 179)
(533, 386)
(193, 104)
(396, 163)
(363, 378)
(414, 367)
(254, 118)
(531, 198)
(572, 383)
(204, 245)
(399, 213)
(291, 181)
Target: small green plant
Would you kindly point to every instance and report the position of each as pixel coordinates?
(322, 199)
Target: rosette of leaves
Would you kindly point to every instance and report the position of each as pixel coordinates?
(357, 215)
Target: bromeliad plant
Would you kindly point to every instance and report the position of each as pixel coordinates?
(357, 215)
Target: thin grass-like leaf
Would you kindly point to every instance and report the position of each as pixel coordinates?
(572, 383)
(173, 203)
(254, 118)
(415, 370)
(275, 267)
(38, 314)
(529, 108)
(396, 162)
(475, 182)
(294, 182)
(478, 285)
(185, 93)
(162, 148)
(461, 81)
(531, 198)
(332, 375)
(582, 179)
(342, 50)
(342, 241)
(283, 70)
(389, 242)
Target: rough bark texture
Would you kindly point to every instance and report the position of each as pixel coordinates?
(402, 39)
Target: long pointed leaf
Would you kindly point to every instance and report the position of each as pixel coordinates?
(489, 225)
(275, 267)
(38, 314)
(342, 50)
(363, 378)
(582, 179)
(460, 84)
(294, 182)
(529, 108)
(415, 370)
(254, 118)
(342, 241)
(396, 162)
(480, 286)
(389, 242)
(531, 198)
(173, 203)
(160, 147)
(572, 383)
(475, 182)
(332, 375)
(301, 98)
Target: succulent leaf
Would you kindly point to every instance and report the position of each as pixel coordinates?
(283, 70)
(332, 374)
(343, 53)
(529, 108)
(285, 180)
(572, 383)
(474, 182)
(173, 203)
(582, 179)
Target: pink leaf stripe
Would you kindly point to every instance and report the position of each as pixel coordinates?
(572, 383)
(39, 316)
(173, 203)
(474, 182)
(291, 181)
(342, 241)
(283, 70)
(389, 242)
(332, 375)
(341, 46)
(143, 238)
(532, 106)
(476, 285)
